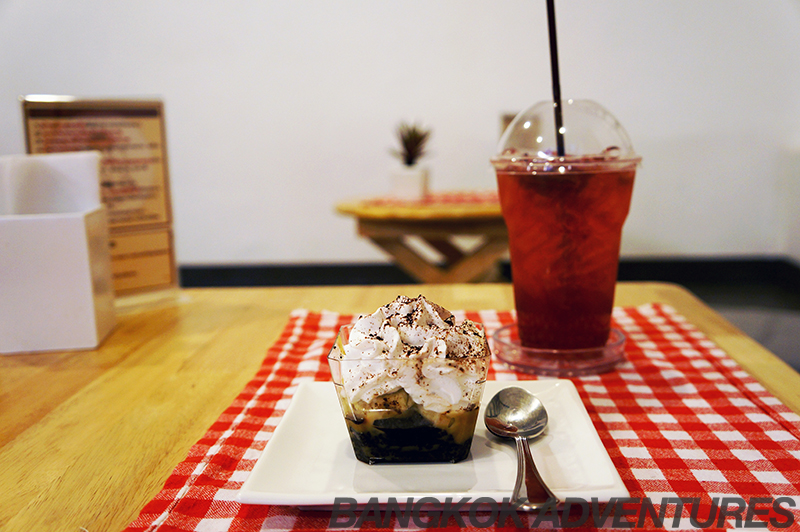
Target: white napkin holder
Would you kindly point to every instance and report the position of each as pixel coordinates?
(56, 290)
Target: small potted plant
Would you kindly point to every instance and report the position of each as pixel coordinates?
(410, 181)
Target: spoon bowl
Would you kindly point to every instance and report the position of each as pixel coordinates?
(516, 413)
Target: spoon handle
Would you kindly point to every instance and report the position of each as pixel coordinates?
(530, 491)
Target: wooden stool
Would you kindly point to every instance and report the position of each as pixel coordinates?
(437, 220)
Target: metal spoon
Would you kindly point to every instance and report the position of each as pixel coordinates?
(516, 413)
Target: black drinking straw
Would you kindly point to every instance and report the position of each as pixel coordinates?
(551, 26)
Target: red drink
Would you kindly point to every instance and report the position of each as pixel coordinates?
(564, 237)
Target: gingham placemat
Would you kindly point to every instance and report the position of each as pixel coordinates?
(679, 418)
(456, 197)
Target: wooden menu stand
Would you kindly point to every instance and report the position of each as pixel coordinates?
(134, 178)
(437, 220)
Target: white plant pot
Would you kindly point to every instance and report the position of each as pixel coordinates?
(410, 182)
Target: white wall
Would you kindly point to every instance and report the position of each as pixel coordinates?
(278, 109)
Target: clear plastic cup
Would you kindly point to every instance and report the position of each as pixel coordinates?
(392, 427)
(564, 216)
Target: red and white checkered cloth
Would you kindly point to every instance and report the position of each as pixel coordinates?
(679, 418)
(456, 197)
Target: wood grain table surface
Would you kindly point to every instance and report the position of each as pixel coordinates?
(87, 438)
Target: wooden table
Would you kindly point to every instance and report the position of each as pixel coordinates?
(88, 438)
(437, 222)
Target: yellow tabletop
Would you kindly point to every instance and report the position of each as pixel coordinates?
(88, 438)
(439, 206)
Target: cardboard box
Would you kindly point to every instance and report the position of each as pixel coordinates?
(56, 290)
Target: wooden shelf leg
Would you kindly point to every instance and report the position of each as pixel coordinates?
(409, 260)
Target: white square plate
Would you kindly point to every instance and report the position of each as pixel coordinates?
(309, 460)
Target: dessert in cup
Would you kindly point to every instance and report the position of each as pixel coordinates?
(409, 381)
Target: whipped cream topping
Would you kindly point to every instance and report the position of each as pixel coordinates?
(415, 345)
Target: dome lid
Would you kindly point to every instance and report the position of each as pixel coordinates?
(591, 135)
